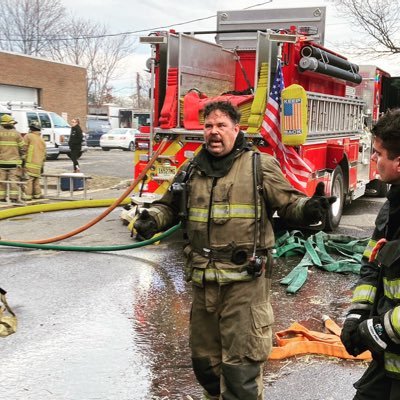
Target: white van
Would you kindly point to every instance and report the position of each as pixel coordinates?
(55, 130)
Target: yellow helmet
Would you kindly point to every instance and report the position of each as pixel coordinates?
(7, 119)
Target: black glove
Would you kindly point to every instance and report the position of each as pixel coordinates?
(373, 334)
(145, 226)
(315, 209)
(350, 336)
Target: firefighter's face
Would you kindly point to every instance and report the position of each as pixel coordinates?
(220, 133)
(389, 170)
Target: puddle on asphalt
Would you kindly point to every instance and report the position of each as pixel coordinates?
(161, 318)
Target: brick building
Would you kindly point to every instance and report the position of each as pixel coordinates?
(54, 86)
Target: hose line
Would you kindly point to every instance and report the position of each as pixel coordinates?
(109, 209)
(136, 245)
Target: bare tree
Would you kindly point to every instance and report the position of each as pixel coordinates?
(43, 28)
(26, 26)
(103, 60)
(90, 46)
(378, 20)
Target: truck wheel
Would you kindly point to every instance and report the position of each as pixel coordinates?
(105, 149)
(52, 157)
(377, 188)
(335, 212)
(131, 146)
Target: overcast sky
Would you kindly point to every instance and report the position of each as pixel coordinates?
(132, 15)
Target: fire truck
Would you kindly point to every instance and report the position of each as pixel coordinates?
(339, 100)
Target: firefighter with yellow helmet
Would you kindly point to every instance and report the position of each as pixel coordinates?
(12, 154)
(226, 197)
(35, 158)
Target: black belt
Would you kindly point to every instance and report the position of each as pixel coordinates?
(237, 256)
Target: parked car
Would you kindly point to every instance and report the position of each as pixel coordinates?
(119, 138)
(96, 127)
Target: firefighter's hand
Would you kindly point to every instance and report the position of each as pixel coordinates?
(145, 226)
(350, 336)
(316, 208)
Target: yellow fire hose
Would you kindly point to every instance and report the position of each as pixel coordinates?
(111, 203)
(111, 207)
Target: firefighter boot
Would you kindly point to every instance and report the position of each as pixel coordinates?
(241, 382)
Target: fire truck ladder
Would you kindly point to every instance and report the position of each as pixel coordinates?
(333, 116)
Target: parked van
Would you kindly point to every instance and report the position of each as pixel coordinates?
(55, 130)
(97, 126)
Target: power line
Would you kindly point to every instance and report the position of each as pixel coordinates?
(55, 38)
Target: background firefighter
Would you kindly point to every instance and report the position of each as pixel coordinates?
(34, 162)
(12, 153)
(373, 321)
(229, 232)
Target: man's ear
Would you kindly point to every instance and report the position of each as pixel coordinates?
(237, 128)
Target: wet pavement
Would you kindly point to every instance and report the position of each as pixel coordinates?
(114, 325)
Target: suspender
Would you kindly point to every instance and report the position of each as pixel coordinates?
(266, 209)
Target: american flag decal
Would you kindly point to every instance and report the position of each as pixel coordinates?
(292, 117)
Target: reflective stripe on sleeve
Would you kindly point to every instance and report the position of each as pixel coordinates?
(395, 321)
(392, 362)
(392, 288)
(391, 321)
(364, 293)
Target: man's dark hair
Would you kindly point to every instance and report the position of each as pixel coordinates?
(224, 106)
(387, 129)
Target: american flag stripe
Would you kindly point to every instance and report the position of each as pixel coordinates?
(297, 172)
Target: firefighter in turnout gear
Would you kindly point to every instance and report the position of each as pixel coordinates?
(373, 321)
(35, 158)
(12, 154)
(229, 193)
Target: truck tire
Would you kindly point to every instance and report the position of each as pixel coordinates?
(105, 149)
(335, 212)
(377, 188)
(52, 157)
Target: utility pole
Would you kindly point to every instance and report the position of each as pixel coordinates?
(138, 90)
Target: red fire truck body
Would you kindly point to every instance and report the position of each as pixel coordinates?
(337, 146)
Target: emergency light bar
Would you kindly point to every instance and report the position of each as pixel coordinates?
(153, 39)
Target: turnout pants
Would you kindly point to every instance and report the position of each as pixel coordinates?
(9, 174)
(32, 188)
(376, 385)
(231, 338)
